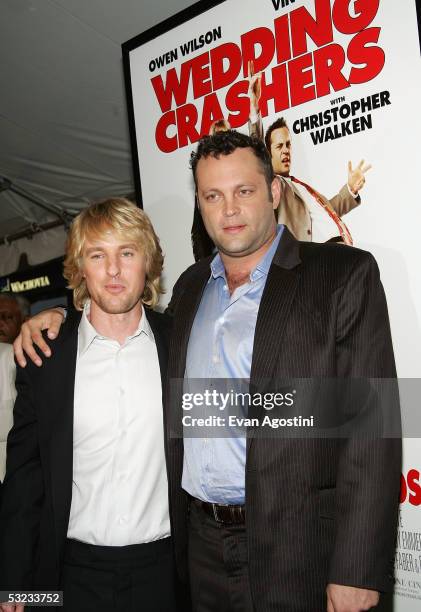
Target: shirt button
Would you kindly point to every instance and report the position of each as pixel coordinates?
(122, 520)
(123, 433)
(215, 359)
(122, 391)
(309, 232)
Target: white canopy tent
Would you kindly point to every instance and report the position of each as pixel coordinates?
(63, 124)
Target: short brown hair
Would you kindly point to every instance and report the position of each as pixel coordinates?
(125, 218)
(225, 143)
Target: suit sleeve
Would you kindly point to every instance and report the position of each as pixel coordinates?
(22, 492)
(343, 202)
(368, 477)
(256, 128)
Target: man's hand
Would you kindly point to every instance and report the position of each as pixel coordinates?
(255, 88)
(342, 598)
(356, 178)
(30, 334)
(10, 607)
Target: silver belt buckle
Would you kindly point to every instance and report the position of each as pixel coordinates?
(215, 513)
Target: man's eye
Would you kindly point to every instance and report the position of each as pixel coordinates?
(211, 197)
(246, 191)
(96, 255)
(127, 253)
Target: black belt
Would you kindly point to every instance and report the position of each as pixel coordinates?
(226, 514)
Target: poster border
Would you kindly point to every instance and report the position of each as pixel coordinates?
(134, 43)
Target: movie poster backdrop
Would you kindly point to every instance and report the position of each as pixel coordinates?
(346, 77)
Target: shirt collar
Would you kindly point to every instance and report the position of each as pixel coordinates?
(266, 261)
(262, 268)
(217, 267)
(87, 332)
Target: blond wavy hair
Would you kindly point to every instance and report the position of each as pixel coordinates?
(127, 220)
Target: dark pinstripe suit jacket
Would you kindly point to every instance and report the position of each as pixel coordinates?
(317, 510)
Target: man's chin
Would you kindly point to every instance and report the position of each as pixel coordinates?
(116, 305)
(235, 248)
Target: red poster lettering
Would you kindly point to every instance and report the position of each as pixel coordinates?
(365, 11)
(282, 39)
(166, 144)
(212, 111)
(187, 117)
(303, 25)
(227, 52)
(328, 64)
(173, 87)
(263, 37)
(372, 57)
(276, 91)
(301, 73)
(201, 75)
(238, 104)
(301, 79)
(414, 487)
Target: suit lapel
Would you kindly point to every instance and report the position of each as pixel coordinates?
(183, 321)
(161, 341)
(161, 335)
(62, 373)
(185, 312)
(275, 305)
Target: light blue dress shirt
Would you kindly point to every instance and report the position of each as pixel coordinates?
(221, 347)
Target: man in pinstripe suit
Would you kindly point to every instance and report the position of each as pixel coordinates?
(279, 524)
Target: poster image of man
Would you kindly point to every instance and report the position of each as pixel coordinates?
(308, 214)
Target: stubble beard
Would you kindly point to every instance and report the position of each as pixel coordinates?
(117, 305)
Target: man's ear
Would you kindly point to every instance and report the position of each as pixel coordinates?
(276, 192)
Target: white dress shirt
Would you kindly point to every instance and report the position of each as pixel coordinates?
(120, 487)
(7, 399)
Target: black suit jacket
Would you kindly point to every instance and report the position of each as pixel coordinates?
(37, 490)
(317, 510)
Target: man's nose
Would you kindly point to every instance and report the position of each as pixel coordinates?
(230, 205)
(113, 266)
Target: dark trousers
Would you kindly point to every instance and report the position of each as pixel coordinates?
(137, 578)
(218, 565)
